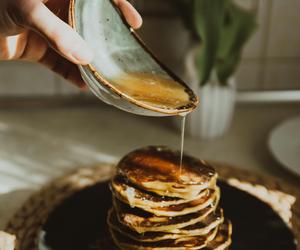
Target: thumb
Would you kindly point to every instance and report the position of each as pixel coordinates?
(60, 35)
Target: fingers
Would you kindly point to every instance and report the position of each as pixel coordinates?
(130, 13)
(35, 47)
(63, 67)
(60, 35)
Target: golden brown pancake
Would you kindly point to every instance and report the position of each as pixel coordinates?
(192, 206)
(184, 243)
(211, 221)
(186, 208)
(158, 170)
(217, 240)
(199, 229)
(223, 238)
(142, 221)
(136, 197)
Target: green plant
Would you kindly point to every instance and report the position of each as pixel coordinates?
(223, 29)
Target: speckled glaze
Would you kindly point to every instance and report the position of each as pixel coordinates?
(118, 51)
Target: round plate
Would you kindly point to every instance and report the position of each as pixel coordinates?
(284, 144)
(80, 222)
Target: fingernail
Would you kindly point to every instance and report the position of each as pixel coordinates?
(83, 55)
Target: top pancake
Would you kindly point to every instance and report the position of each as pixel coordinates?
(157, 169)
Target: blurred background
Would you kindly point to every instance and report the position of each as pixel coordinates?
(271, 59)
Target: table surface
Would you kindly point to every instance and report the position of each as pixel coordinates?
(37, 145)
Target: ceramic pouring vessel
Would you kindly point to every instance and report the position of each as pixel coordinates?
(124, 72)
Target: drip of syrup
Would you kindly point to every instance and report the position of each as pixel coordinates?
(183, 119)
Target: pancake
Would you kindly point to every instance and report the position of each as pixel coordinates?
(200, 229)
(160, 205)
(142, 221)
(185, 243)
(217, 240)
(186, 208)
(213, 220)
(136, 197)
(191, 206)
(158, 170)
(223, 238)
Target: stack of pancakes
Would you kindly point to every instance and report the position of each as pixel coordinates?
(158, 204)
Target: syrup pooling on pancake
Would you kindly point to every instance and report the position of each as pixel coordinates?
(160, 164)
(158, 170)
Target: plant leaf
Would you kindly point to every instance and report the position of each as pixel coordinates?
(208, 16)
(239, 25)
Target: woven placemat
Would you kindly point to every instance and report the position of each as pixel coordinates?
(29, 219)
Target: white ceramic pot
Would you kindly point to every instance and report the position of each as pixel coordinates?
(214, 115)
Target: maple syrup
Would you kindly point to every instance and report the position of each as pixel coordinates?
(153, 90)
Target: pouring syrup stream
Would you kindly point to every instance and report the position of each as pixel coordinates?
(183, 120)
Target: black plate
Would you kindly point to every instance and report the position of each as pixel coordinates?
(79, 223)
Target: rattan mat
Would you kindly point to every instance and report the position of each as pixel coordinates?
(29, 219)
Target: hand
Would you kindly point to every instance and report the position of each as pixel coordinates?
(36, 31)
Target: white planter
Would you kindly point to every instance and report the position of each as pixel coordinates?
(214, 115)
